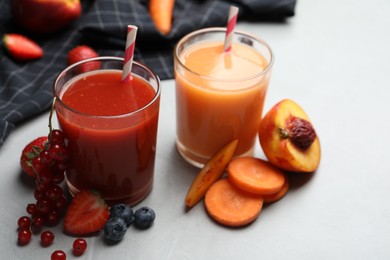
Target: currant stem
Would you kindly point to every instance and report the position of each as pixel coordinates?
(51, 115)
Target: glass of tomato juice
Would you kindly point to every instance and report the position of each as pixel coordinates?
(111, 127)
(219, 95)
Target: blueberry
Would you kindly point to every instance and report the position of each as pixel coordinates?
(115, 229)
(144, 217)
(123, 211)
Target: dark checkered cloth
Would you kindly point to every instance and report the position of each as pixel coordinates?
(25, 87)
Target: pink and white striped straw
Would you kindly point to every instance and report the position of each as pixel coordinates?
(129, 52)
(231, 24)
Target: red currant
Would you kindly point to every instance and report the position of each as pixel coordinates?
(24, 236)
(42, 186)
(37, 164)
(58, 255)
(32, 209)
(54, 192)
(56, 137)
(24, 222)
(45, 157)
(45, 176)
(53, 218)
(59, 153)
(38, 194)
(62, 166)
(37, 222)
(58, 177)
(79, 246)
(61, 203)
(47, 238)
(44, 206)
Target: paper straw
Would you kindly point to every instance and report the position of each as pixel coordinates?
(129, 52)
(231, 23)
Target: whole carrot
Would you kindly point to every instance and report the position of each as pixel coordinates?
(161, 13)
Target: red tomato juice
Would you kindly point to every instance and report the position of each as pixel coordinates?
(112, 149)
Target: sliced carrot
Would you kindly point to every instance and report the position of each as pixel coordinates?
(255, 175)
(278, 195)
(161, 13)
(230, 206)
(210, 173)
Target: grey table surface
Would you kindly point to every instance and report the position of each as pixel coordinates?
(333, 59)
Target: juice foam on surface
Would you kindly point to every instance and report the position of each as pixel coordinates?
(104, 94)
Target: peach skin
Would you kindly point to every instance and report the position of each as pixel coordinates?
(288, 138)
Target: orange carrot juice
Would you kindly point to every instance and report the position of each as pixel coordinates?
(219, 96)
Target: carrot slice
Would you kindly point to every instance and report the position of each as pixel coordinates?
(278, 195)
(230, 206)
(210, 173)
(255, 175)
(161, 13)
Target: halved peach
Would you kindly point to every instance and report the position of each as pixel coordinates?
(288, 138)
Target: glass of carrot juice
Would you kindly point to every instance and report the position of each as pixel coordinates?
(219, 95)
(111, 127)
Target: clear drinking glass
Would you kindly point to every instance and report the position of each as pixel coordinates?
(219, 96)
(114, 153)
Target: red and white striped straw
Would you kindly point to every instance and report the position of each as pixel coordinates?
(231, 24)
(129, 52)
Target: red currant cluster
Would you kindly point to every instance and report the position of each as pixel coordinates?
(49, 166)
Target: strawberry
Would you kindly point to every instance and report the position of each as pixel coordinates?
(29, 152)
(22, 48)
(87, 213)
(83, 52)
